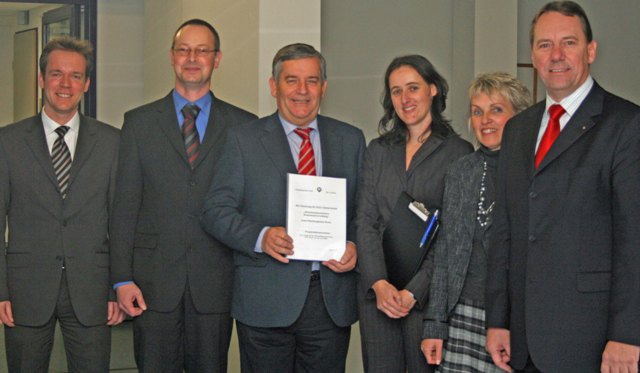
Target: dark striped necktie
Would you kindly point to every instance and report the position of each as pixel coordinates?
(306, 158)
(190, 132)
(61, 158)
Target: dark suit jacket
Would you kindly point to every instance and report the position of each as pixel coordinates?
(249, 192)
(564, 272)
(157, 239)
(385, 178)
(455, 242)
(45, 230)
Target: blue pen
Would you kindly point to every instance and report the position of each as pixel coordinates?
(429, 229)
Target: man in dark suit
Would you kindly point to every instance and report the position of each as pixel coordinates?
(169, 274)
(291, 315)
(563, 292)
(57, 178)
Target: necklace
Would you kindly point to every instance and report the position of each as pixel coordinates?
(484, 214)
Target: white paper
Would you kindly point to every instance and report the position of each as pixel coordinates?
(317, 217)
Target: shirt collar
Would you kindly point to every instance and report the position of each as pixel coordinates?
(289, 127)
(50, 125)
(572, 102)
(204, 102)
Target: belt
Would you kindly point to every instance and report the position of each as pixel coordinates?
(315, 275)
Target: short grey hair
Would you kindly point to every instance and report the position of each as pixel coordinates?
(295, 52)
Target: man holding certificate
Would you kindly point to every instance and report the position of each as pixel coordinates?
(293, 309)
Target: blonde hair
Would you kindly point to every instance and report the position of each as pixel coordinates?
(504, 84)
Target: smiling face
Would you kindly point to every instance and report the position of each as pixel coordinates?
(299, 90)
(489, 114)
(412, 97)
(64, 83)
(561, 54)
(193, 72)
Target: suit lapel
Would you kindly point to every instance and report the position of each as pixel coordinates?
(276, 145)
(84, 146)
(168, 122)
(581, 122)
(433, 142)
(469, 184)
(37, 142)
(397, 156)
(531, 124)
(331, 148)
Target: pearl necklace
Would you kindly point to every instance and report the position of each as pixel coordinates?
(484, 214)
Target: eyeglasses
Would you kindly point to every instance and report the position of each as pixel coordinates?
(200, 52)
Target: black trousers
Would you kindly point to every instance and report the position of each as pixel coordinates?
(182, 339)
(312, 344)
(87, 348)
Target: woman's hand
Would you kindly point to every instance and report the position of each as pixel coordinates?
(389, 300)
(432, 350)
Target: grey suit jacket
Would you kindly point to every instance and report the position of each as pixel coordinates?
(564, 263)
(455, 242)
(157, 239)
(249, 192)
(385, 178)
(45, 230)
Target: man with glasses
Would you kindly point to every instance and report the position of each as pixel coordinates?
(173, 278)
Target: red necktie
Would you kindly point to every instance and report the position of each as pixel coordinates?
(306, 159)
(551, 133)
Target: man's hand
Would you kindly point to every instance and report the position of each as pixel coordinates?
(620, 358)
(432, 350)
(277, 244)
(347, 262)
(389, 300)
(6, 314)
(114, 314)
(127, 295)
(499, 347)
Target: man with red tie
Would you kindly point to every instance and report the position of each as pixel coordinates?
(563, 292)
(292, 316)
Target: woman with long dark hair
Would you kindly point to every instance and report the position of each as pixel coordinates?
(415, 146)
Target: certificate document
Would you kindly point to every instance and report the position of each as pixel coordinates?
(317, 216)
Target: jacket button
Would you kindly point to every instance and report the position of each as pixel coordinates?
(532, 238)
(533, 195)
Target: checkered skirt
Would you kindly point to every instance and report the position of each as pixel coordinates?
(464, 351)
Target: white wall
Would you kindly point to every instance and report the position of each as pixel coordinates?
(119, 65)
(361, 37)
(7, 30)
(496, 31)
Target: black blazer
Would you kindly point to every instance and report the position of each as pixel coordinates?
(45, 230)
(564, 272)
(157, 239)
(385, 178)
(249, 192)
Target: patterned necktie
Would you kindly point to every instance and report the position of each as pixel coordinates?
(61, 158)
(551, 133)
(190, 132)
(306, 159)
